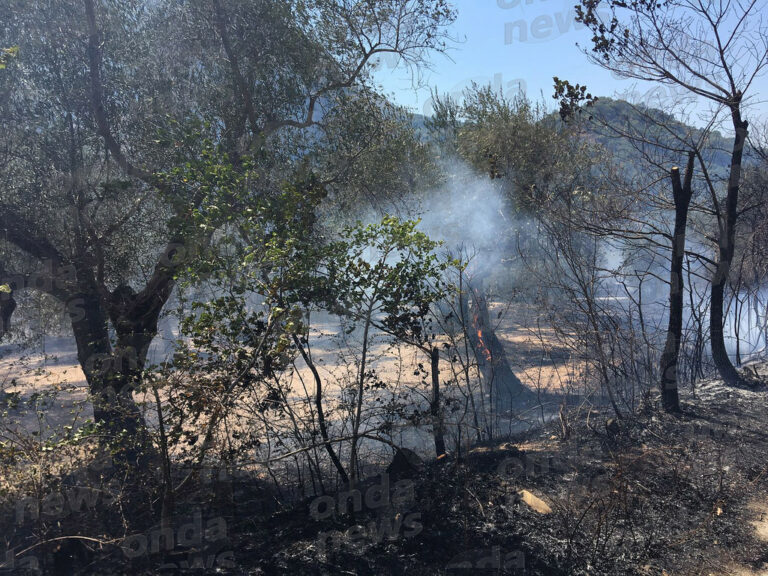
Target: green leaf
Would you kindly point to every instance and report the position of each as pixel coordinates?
(6, 54)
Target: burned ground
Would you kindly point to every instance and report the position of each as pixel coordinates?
(658, 494)
(652, 494)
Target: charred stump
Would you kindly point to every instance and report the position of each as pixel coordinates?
(503, 387)
(682, 194)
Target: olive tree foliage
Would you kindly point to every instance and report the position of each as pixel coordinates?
(6, 54)
(385, 163)
(517, 141)
(713, 51)
(539, 165)
(516, 145)
(124, 123)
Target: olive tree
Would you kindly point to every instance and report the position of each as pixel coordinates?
(108, 108)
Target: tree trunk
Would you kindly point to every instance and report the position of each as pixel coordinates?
(356, 421)
(320, 412)
(7, 306)
(469, 343)
(668, 363)
(504, 387)
(437, 416)
(738, 309)
(726, 245)
(111, 377)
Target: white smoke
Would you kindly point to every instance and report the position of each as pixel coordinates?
(469, 214)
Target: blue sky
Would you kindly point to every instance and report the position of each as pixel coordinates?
(518, 43)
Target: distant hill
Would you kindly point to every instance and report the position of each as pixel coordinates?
(662, 130)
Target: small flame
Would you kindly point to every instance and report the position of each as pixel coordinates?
(486, 351)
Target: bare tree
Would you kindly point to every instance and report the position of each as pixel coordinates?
(712, 50)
